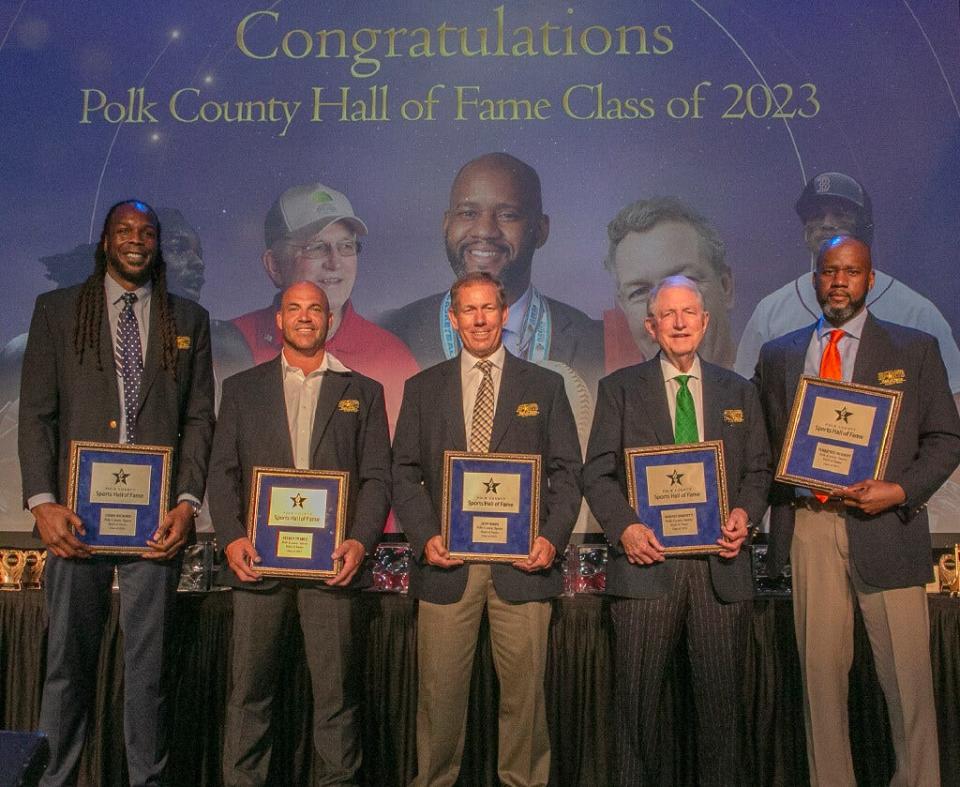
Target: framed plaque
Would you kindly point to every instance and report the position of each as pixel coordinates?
(120, 492)
(838, 434)
(491, 505)
(680, 493)
(296, 519)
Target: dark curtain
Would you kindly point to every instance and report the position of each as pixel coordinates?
(578, 685)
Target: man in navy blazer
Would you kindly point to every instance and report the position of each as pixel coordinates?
(303, 409)
(655, 598)
(72, 389)
(868, 542)
(530, 415)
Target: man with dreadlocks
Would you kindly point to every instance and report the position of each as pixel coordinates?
(117, 359)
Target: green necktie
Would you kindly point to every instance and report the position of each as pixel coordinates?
(685, 423)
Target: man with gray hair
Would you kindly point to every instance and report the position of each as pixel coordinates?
(311, 233)
(652, 239)
(677, 397)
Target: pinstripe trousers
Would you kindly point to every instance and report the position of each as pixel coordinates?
(645, 634)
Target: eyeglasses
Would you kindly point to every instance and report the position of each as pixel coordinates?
(321, 250)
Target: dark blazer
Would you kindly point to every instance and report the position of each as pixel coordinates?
(431, 422)
(891, 549)
(63, 400)
(252, 430)
(632, 412)
(575, 340)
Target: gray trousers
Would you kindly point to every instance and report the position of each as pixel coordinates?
(78, 602)
(261, 621)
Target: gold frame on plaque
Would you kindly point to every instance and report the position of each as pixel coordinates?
(715, 448)
(342, 480)
(532, 460)
(893, 398)
(165, 455)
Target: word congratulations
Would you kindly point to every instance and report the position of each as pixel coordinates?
(368, 46)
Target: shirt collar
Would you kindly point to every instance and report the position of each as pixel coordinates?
(329, 364)
(852, 327)
(115, 292)
(515, 316)
(468, 361)
(670, 371)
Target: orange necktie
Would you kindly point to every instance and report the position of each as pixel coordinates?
(831, 369)
(830, 366)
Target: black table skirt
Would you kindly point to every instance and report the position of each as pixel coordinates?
(579, 687)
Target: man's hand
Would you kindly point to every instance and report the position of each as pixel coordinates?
(540, 557)
(56, 524)
(352, 552)
(734, 533)
(872, 496)
(436, 554)
(241, 556)
(172, 533)
(641, 545)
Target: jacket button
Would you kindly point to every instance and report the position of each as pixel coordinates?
(113, 424)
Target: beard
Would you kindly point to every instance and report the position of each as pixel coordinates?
(514, 274)
(837, 315)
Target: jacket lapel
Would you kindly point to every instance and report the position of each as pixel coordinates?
(109, 364)
(712, 392)
(151, 363)
(655, 392)
(331, 392)
(793, 363)
(451, 400)
(271, 410)
(512, 389)
(871, 348)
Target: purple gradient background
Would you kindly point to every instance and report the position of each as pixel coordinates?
(888, 118)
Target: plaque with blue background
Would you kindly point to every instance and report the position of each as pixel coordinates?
(296, 519)
(120, 492)
(491, 510)
(680, 493)
(838, 434)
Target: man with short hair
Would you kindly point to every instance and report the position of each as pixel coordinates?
(677, 397)
(312, 234)
(489, 400)
(867, 543)
(303, 409)
(495, 223)
(650, 240)
(833, 203)
(116, 359)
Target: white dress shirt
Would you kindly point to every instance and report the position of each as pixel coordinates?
(301, 393)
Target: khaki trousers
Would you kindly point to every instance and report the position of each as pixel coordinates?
(446, 643)
(825, 584)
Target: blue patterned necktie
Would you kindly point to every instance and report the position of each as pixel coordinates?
(130, 361)
(685, 422)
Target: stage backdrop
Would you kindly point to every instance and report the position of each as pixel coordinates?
(729, 106)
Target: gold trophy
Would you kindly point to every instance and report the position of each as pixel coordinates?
(949, 571)
(36, 561)
(12, 563)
